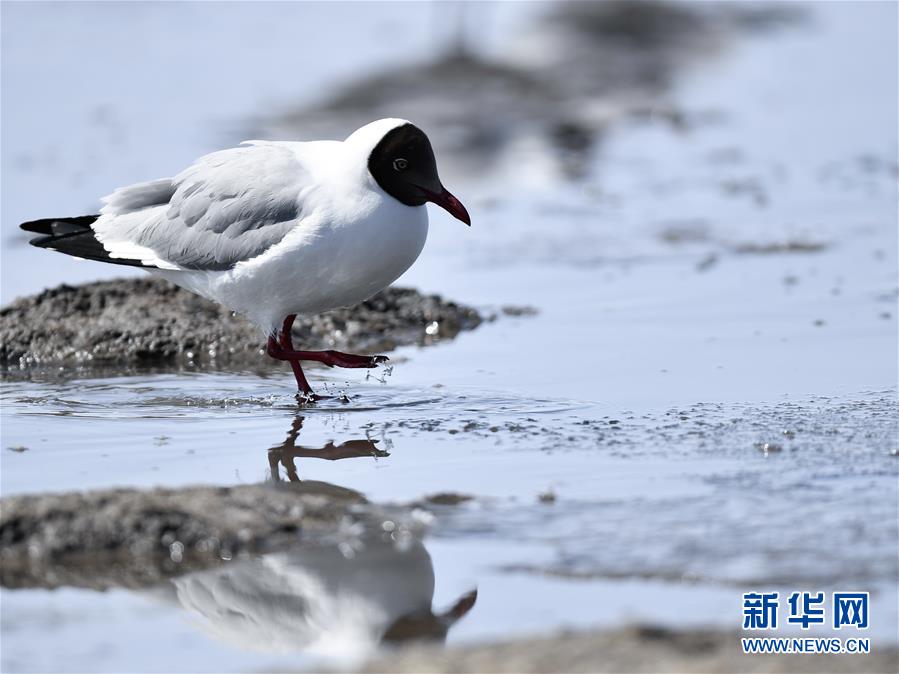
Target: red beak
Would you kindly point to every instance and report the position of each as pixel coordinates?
(450, 204)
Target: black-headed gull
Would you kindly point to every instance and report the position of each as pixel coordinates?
(275, 229)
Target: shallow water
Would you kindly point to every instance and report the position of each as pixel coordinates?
(704, 404)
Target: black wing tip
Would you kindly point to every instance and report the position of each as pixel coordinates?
(74, 236)
(59, 226)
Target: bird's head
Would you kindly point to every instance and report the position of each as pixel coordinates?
(403, 164)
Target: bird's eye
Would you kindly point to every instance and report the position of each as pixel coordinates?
(400, 164)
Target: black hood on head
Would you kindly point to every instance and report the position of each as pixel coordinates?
(403, 165)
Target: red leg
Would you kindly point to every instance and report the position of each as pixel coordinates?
(276, 350)
(286, 338)
(282, 349)
(330, 358)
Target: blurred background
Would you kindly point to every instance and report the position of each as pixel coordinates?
(516, 96)
(696, 200)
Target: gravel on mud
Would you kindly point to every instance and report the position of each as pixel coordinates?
(149, 322)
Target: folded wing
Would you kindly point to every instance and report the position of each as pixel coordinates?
(228, 207)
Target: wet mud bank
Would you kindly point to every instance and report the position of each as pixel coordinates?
(632, 649)
(136, 538)
(152, 323)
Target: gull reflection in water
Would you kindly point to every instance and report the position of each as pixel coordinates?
(317, 598)
(288, 451)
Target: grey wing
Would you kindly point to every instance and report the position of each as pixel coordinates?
(229, 206)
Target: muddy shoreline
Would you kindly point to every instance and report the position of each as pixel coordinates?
(142, 539)
(640, 648)
(147, 323)
(132, 537)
